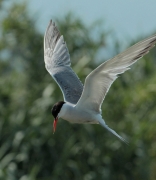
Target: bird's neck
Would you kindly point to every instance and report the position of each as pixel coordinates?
(66, 109)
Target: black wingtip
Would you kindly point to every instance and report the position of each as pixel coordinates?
(50, 21)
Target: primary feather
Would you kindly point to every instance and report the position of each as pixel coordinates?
(57, 63)
(98, 82)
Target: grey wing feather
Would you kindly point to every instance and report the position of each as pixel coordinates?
(99, 81)
(57, 63)
(69, 84)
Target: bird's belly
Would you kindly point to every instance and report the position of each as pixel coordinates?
(80, 118)
(78, 115)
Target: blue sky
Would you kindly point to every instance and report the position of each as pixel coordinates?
(128, 18)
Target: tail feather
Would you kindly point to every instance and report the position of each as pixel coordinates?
(102, 123)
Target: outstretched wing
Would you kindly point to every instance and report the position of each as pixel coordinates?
(57, 63)
(99, 81)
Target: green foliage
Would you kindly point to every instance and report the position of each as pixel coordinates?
(29, 150)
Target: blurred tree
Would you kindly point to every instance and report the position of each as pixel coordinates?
(29, 150)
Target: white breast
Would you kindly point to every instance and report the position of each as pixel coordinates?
(70, 113)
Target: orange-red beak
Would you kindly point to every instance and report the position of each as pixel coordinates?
(54, 124)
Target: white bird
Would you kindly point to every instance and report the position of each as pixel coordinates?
(83, 104)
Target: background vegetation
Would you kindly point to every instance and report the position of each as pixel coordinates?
(29, 150)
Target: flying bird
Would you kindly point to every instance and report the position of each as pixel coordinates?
(82, 104)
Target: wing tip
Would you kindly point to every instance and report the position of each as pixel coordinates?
(51, 35)
(51, 22)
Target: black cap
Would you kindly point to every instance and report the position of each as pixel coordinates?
(56, 108)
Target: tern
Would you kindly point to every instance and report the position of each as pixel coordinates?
(82, 104)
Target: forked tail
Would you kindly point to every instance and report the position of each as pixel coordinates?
(102, 123)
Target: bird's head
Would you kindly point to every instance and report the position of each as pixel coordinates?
(55, 111)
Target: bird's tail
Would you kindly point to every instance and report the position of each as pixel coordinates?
(102, 123)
